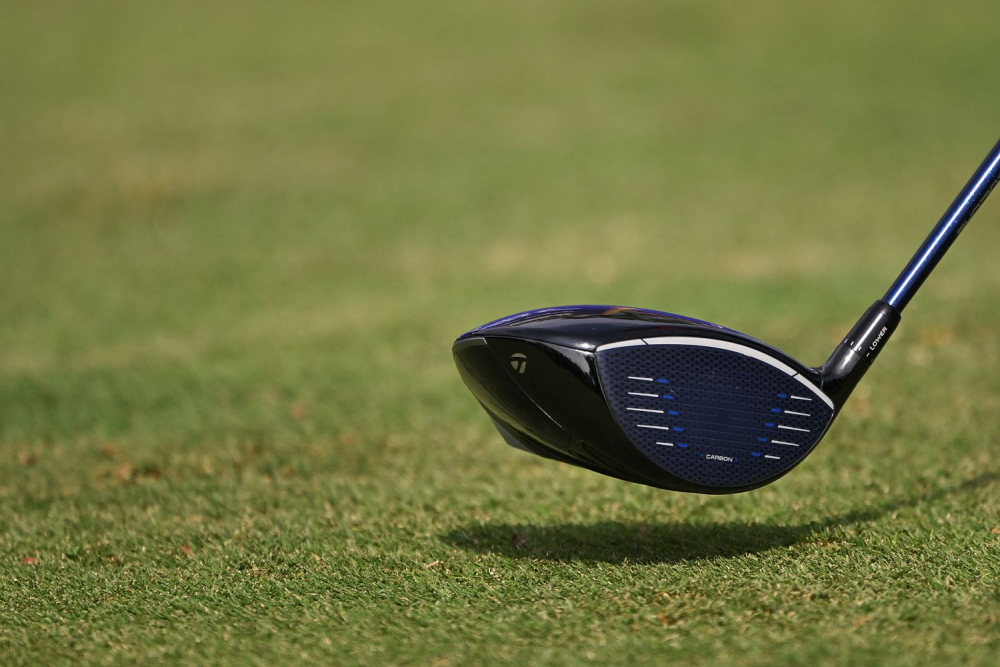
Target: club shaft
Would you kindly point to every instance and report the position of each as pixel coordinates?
(947, 230)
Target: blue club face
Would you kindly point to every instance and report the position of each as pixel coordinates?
(711, 412)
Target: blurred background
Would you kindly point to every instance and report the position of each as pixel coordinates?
(238, 239)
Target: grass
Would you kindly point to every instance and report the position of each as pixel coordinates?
(235, 246)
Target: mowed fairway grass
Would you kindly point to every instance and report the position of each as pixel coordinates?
(237, 241)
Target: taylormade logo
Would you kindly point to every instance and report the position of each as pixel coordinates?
(878, 339)
(716, 457)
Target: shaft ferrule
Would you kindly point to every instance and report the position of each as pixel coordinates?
(856, 353)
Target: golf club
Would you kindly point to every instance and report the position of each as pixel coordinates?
(675, 402)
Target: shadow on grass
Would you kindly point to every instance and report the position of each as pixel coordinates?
(614, 542)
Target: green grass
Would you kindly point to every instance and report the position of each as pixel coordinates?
(235, 246)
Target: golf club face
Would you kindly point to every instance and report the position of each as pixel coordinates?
(645, 396)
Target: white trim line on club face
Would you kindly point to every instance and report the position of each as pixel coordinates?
(721, 345)
(768, 456)
(656, 412)
(624, 343)
(659, 428)
(801, 398)
(665, 444)
(632, 377)
(793, 428)
(782, 442)
(800, 414)
(639, 393)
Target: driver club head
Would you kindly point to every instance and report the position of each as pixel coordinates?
(644, 396)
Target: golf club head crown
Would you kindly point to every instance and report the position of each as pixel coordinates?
(645, 396)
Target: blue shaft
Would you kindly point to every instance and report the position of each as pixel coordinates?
(946, 231)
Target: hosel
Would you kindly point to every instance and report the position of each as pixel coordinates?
(856, 353)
